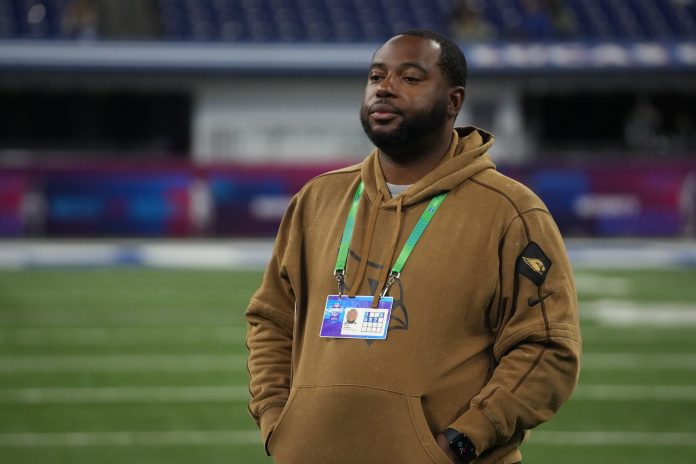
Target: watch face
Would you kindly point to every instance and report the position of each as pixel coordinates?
(463, 448)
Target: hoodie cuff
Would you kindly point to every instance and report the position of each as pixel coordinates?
(267, 423)
(476, 425)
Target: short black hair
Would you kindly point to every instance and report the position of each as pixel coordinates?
(452, 61)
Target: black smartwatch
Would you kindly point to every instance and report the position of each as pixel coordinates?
(461, 445)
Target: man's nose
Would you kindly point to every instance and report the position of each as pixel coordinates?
(385, 88)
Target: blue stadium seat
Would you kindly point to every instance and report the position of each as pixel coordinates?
(8, 21)
(372, 20)
(34, 19)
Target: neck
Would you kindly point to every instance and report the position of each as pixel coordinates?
(406, 168)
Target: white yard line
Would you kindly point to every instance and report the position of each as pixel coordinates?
(123, 394)
(136, 315)
(644, 336)
(211, 393)
(613, 438)
(636, 392)
(252, 437)
(153, 438)
(163, 334)
(624, 313)
(592, 284)
(104, 336)
(207, 254)
(631, 253)
(254, 254)
(123, 362)
(216, 361)
(639, 361)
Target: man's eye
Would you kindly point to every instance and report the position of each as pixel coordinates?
(411, 79)
(374, 78)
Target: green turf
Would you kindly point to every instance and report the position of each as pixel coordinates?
(608, 454)
(79, 328)
(125, 416)
(209, 454)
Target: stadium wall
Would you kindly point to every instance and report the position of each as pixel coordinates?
(645, 200)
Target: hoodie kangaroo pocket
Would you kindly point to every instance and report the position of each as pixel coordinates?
(347, 424)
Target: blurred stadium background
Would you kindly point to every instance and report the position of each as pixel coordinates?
(148, 149)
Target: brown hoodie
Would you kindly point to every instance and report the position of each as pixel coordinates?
(483, 336)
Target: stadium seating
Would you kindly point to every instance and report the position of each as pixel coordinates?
(374, 20)
(31, 19)
(295, 20)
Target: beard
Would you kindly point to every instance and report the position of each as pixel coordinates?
(401, 142)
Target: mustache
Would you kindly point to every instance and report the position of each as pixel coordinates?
(383, 105)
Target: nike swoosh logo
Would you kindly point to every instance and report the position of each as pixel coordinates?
(533, 302)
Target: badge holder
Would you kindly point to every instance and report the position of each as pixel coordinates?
(354, 316)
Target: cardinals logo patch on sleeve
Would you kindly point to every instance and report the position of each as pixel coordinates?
(533, 264)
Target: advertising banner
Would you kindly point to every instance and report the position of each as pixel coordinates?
(249, 201)
(12, 190)
(117, 204)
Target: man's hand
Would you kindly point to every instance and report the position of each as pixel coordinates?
(443, 443)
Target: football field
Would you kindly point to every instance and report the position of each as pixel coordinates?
(136, 365)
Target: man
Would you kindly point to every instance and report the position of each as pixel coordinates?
(466, 333)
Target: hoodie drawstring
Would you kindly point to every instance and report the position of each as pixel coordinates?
(388, 262)
(366, 244)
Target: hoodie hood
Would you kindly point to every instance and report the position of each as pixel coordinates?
(466, 156)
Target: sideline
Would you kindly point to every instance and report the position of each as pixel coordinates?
(254, 254)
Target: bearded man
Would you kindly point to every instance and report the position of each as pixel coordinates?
(463, 329)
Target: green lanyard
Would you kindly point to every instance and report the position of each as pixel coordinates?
(418, 229)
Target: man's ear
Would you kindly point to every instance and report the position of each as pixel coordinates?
(455, 100)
